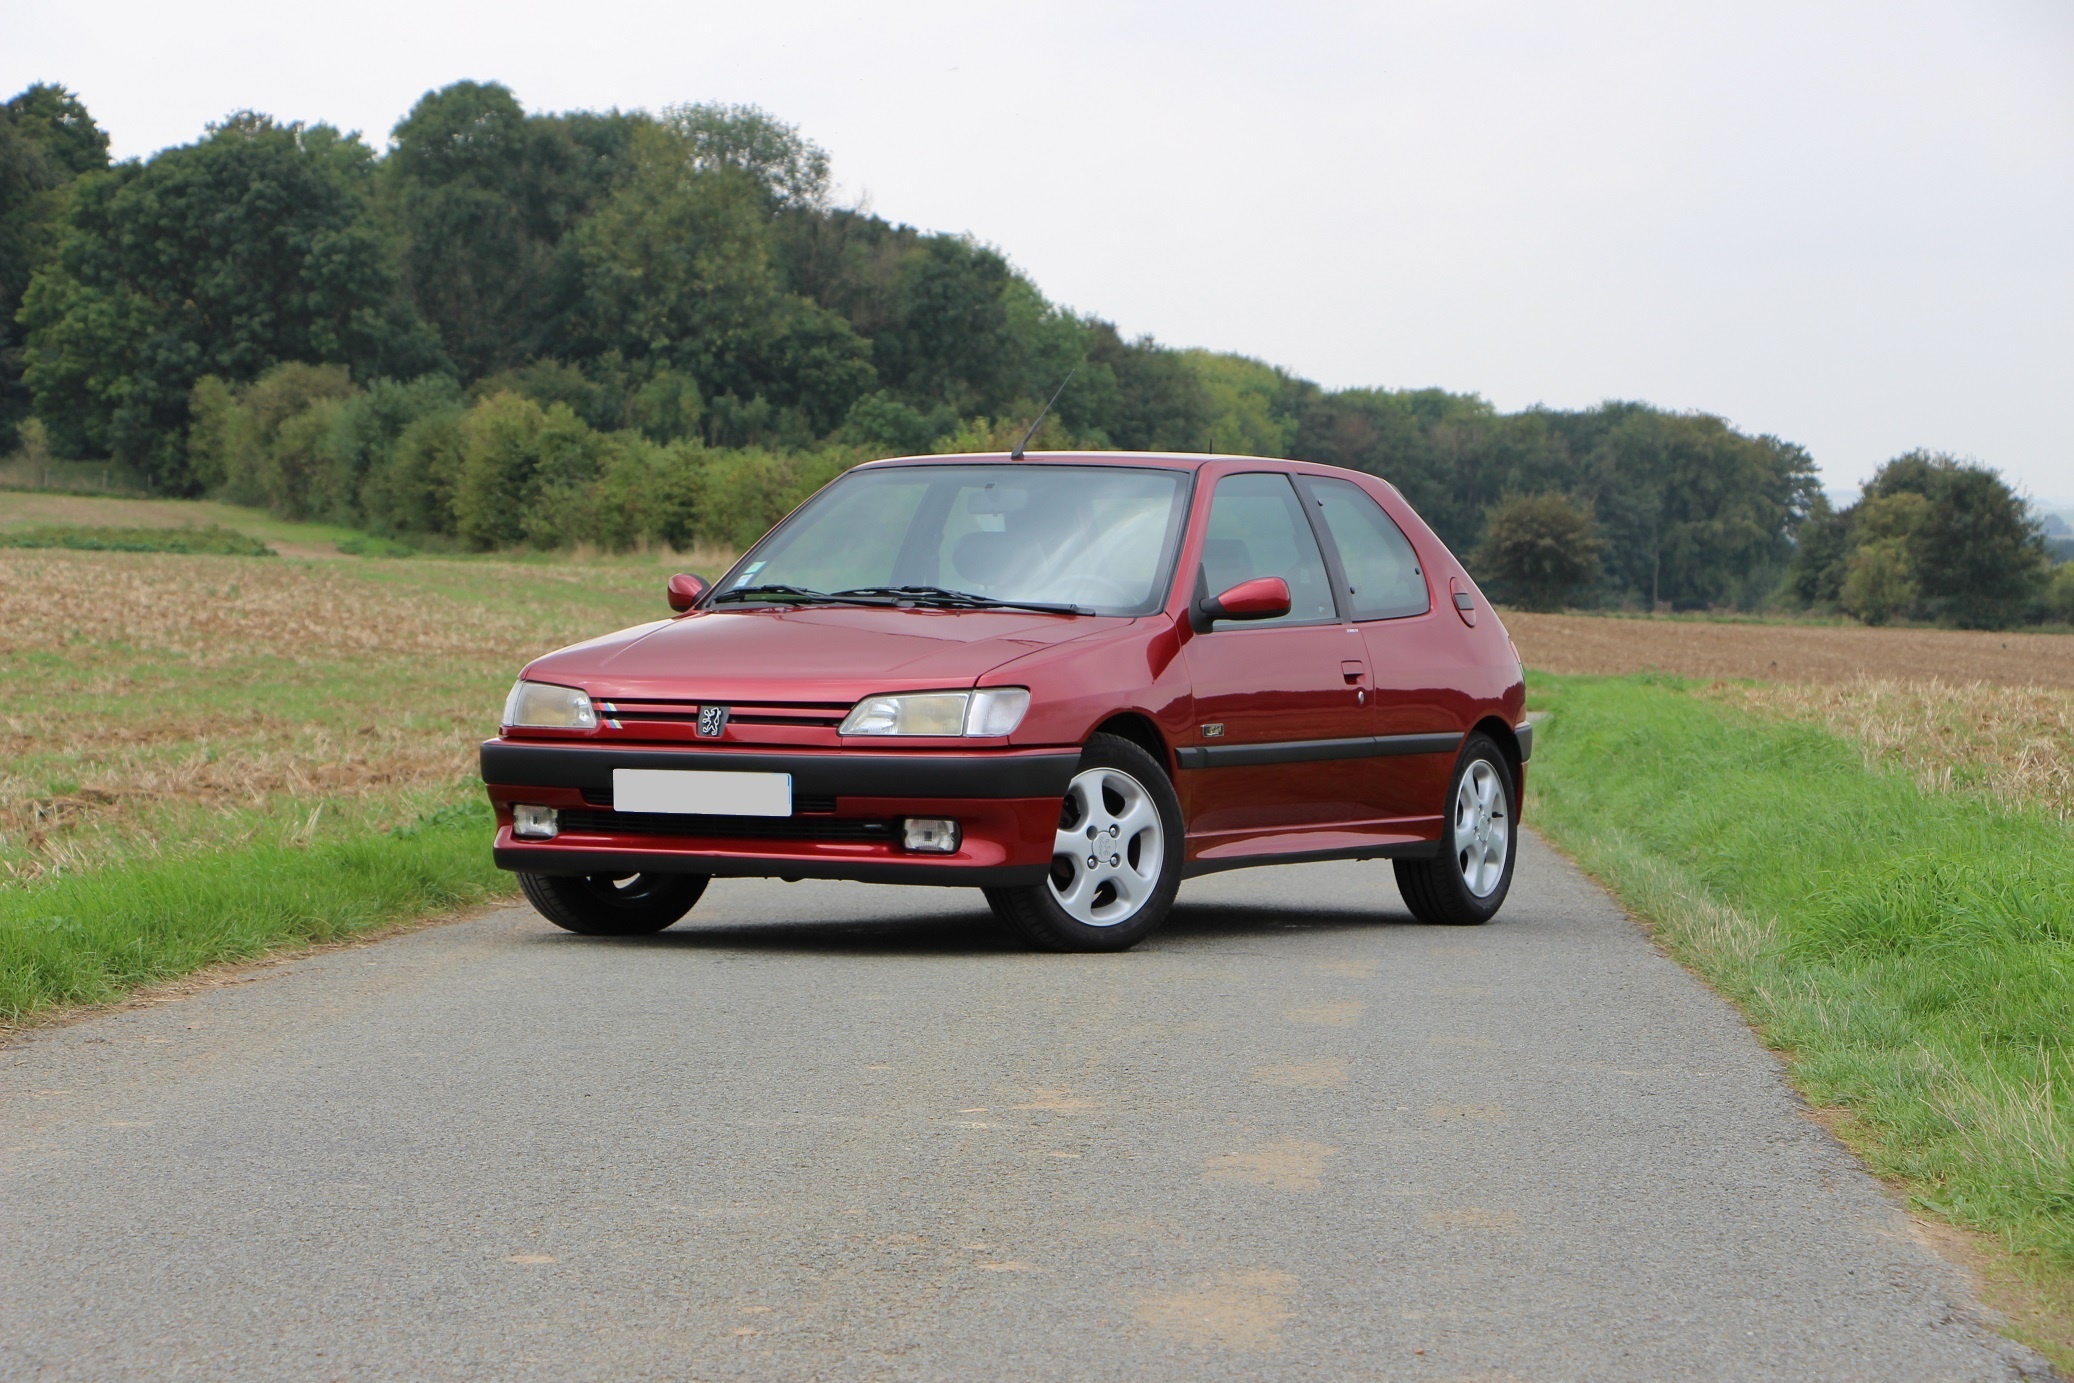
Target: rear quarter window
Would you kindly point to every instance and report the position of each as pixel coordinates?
(1382, 568)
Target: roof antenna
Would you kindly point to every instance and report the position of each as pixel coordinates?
(1017, 454)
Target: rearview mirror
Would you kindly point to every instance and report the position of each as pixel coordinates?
(685, 590)
(1264, 597)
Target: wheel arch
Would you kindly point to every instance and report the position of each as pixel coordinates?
(1506, 739)
(1140, 730)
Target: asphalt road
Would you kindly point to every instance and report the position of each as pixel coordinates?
(829, 1131)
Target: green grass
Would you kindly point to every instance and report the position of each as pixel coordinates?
(89, 939)
(375, 547)
(25, 508)
(214, 539)
(1912, 954)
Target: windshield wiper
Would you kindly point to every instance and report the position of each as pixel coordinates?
(801, 594)
(962, 600)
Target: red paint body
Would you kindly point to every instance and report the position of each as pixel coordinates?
(789, 675)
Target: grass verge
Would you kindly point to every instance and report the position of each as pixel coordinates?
(1912, 954)
(91, 938)
(216, 539)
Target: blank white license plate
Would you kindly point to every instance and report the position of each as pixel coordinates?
(700, 792)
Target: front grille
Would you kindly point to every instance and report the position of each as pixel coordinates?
(731, 827)
(819, 714)
(803, 803)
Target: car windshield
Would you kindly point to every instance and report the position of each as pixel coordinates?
(1097, 538)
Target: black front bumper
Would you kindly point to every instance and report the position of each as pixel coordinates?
(861, 773)
(620, 862)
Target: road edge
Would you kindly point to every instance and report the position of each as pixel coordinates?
(249, 971)
(2011, 1295)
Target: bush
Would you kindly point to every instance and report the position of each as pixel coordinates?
(2058, 601)
(1538, 550)
(1879, 581)
(1956, 545)
(411, 490)
(519, 466)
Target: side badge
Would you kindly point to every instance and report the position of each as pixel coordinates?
(1214, 732)
(712, 720)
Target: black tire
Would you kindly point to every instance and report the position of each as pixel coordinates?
(1438, 890)
(1113, 767)
(613, 904)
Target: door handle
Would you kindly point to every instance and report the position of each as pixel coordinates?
(1355, 673)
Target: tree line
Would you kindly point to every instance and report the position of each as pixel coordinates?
(623, 327)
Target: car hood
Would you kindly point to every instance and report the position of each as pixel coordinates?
(815, 654)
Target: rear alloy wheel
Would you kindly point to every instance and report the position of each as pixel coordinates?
(613, 904)
(1465, 883)
(1116, 860)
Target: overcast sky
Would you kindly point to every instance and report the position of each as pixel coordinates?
(1848, 224)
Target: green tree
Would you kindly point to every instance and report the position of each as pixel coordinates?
(1880, 572)
(47, 139)
(680, 277)
(1247, 404)
(266, 443)
(1955, 544)
(885, 425)
(1821, 550)
(949, 341)
(677, 263)
(792, 170)
(1159, 403)
(484, 197)
(366, 430)
(410, 488)
(1979, 554)
(500, 454)
(1539, 549)
(56, 122)
(1695, 514)
(525, 473)
(1879, 581)
(221, 257)
(2057, 599)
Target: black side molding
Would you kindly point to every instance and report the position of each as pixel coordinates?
(874, 774)
(1401, 850)
(1306, 751)
(1524, 733)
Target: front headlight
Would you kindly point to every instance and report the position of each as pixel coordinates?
(544, 706)
(989, 712)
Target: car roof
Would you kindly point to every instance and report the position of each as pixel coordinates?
(1175, 461)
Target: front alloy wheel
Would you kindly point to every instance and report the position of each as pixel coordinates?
(1107, 857)
(1116, 858)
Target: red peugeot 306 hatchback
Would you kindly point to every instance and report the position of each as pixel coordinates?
(1069, 680)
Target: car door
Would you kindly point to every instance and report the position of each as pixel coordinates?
(1384, 591)
(1281, 706)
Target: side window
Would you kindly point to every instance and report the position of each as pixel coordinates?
(1381, 566)
(1257, 528)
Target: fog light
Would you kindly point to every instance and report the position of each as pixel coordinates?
(931, 835)
(534, 823)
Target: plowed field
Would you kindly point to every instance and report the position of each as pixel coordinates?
(1824, 653)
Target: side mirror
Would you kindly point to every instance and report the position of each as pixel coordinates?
(685, 590)
(1264, 597)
